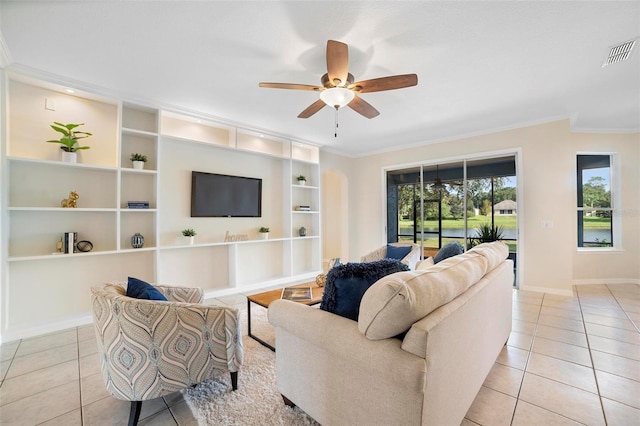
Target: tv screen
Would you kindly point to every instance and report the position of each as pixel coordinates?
(215, 195)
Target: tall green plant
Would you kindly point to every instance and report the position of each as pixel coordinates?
(485, 233)
(69, 140)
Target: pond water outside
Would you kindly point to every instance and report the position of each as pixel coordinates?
(590, 235)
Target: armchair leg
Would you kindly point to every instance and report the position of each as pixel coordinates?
(134, 414)
(287, 401)
(234, 380)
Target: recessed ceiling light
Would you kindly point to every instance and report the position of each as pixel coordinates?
(620, 52)
(69, 90)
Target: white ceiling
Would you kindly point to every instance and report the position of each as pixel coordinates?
(481, 66)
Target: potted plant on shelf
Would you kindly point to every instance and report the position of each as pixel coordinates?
(264, 233)
(138, 160)
(190, 234)
(69, 141)
(302, 180)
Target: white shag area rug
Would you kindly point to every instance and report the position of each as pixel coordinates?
(257, 400)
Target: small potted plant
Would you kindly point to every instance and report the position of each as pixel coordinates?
(189, 233)
(69, 141)
(302, 180)
(264, 233)
(138, 160)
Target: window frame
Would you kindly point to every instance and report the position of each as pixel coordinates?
(614, 205)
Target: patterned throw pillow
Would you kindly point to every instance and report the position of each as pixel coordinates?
(346, 284)
(142, 290)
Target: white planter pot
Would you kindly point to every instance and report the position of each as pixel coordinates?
(138, 165)
(264, 235)
(69, 157)
(302, 182)
(191, 240)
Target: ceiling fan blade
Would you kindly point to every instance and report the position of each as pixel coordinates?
(290, 86)
(337, 62)
(312, 109)
(385, 83)
(363, 107)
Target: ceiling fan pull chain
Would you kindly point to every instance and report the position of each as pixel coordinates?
(335, 135)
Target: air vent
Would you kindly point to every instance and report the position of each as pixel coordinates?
(620, 53)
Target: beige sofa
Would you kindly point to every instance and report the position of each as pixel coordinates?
(457, 318)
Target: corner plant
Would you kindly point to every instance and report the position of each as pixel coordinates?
(69, 140)
(188, 232)
(263, 230)
(138, 157)
(485, 233)
(301, 177)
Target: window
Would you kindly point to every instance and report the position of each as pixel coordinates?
(595, 212)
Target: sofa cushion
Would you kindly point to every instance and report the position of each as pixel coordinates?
(395, 302)
(424, 264)
(346, 284)
(139, 289)
(448, 250)
(397, 252)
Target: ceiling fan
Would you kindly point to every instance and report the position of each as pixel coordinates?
(338, 88)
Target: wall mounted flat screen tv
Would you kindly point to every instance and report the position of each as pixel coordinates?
(216, 195)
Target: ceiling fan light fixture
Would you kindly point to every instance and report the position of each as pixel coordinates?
(337, 97)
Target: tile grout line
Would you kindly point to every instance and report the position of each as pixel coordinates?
(524, 371)
(593, 365)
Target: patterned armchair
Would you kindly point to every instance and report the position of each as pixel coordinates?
(410, 259)
(151, 348)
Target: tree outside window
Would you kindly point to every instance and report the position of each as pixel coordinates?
(594, 201)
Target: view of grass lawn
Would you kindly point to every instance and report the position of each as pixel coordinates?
(507, 222)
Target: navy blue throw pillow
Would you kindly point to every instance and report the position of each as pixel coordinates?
(397, 252)
(346, 284)
(141, 290)
(450, 249)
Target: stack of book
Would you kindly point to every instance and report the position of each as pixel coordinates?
(138, 204)
(303, 208)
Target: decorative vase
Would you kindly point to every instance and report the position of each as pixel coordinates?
(69, 157)
(138, 165)
(302, 231)
(264, 235)
(137, 240)
(192, 239)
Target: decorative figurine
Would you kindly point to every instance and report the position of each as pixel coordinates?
(71, 201)
(302, 231)
(59, 246)
(137, 240)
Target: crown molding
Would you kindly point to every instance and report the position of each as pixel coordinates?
(6, 58)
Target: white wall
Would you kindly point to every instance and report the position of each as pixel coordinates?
(548, 257)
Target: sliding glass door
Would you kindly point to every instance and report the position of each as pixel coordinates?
(470, 201)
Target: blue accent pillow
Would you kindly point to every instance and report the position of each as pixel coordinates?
(346, 284)
(450, 249)
(142, 290)
(397, 252)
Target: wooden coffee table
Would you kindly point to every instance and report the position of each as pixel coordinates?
(264, 299)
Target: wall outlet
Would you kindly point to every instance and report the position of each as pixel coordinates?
(49, 104)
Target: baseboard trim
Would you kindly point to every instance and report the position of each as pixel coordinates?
(547, 290)
(614, 281)
(25, 332)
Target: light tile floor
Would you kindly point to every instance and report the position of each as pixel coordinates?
(569, 360)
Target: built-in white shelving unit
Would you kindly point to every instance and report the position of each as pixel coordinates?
(175, 144)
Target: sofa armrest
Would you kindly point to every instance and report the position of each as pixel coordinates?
(340, 337)
(377, 254)
(412, 258)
